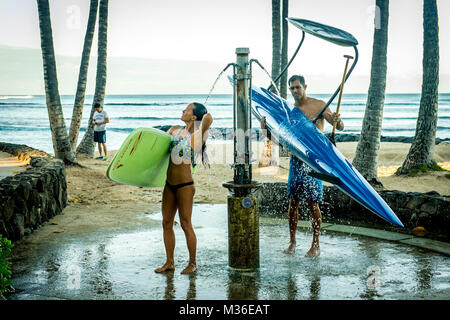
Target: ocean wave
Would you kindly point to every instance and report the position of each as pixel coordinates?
(19, 104)
(161, 118)
(145, 104)
(15, 97)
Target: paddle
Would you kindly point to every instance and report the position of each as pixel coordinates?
(340, 97)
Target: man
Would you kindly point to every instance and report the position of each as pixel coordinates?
(100, 119)
(301, 186)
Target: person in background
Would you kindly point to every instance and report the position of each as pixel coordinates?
(100, 119)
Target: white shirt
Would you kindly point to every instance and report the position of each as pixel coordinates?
(100, 117)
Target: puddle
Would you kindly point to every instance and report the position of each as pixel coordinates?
(121, 266)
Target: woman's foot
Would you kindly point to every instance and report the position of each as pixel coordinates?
(168, 266)
(313, 252)
(290, 249)
(191, 268)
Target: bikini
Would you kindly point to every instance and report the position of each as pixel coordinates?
(183, 147)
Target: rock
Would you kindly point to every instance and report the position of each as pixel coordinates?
(33, 196)
(429, 207)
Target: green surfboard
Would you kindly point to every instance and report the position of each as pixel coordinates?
(142, 160)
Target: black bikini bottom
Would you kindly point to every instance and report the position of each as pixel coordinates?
(175, 187)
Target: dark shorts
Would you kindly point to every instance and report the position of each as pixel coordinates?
(301, 185)
(100, 136)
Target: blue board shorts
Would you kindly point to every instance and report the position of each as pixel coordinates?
(301, 185)
(100, 136)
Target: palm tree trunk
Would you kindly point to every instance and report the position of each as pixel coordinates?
(61, 144)
(366, 156)
(82, 76)
(421, 152)
(276, 41)
(284, 49)
(86, 146)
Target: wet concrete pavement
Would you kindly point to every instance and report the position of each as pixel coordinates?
(120, 265)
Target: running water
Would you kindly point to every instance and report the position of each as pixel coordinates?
(215, 82)
(275, 86)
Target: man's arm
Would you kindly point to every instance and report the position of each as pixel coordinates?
(333, 117)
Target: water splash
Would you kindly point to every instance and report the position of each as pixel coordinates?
(217, 79)
(273, 85)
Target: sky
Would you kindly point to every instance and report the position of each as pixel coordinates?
(176, 46)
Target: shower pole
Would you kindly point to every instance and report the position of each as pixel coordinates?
(243, 218)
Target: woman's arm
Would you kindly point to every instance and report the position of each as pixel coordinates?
(199, 137)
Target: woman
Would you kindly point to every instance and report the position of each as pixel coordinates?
(179, 189)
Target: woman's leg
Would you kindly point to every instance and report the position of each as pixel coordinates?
(169, 209)
(185, 197)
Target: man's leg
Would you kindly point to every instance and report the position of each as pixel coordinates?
(293, 220)
(316, 223)
(105, 150)
(100, 148)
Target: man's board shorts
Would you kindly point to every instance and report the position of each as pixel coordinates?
(301, 185)
(100, 136)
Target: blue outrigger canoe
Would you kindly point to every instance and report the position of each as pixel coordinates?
(301, 137)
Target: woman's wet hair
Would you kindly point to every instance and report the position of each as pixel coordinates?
(199, 111)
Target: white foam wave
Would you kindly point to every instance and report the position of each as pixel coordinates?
(15, 97)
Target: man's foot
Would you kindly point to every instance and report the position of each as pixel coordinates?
(99, 158)
(191, 268)
(105, 158)
(168, 266)
(290, 249)
(313, 252)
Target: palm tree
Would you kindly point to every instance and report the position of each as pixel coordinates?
(61, 144)
(366, 156)
(284, 48)
(276, 40)
(86, 146)
(82, 76)
(421, 152)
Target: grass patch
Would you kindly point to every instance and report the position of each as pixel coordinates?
(424, 169)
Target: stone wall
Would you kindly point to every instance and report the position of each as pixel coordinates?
(429, 210)
(34, 196)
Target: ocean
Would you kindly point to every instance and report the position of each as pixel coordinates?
(24, 119)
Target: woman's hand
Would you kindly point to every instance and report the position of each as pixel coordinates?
(207, 120)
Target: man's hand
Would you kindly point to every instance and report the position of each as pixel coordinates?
(335, 117)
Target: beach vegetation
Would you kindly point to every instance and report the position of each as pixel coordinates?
(87, 146)
(80, 94)
(5, 265)
(60, 138)
(276, 42)
(424, 169)
(284, 48)
(421, 152)
(366, 156)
